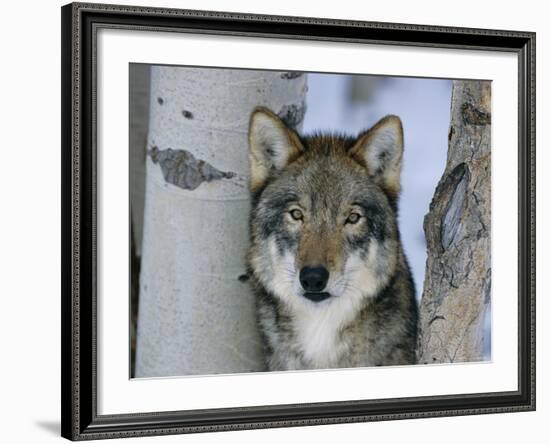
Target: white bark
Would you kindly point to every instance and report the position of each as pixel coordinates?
(195, 315)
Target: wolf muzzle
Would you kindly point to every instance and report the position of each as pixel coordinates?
(314, 280)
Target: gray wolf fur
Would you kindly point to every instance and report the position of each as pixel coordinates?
(332, 284)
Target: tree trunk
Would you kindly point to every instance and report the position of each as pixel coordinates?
(139, 118)
(457, 287)
(196, 312)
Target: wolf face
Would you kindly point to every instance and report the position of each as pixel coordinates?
(324, 238)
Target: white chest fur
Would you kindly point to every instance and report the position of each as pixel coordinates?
(318, 333)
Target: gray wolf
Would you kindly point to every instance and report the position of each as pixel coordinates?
(332, 284)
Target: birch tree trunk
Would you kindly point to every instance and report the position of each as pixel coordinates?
(457, 286)
(196, 312)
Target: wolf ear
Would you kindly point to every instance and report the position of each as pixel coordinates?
(272, 145)
(380, 150)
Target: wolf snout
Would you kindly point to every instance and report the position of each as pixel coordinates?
(314, 279)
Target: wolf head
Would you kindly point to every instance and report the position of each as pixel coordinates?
(323, 221)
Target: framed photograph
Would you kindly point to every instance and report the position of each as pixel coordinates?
(280, 221)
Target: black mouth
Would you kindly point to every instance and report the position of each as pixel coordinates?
(316, 296)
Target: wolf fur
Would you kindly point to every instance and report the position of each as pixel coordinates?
(332, 284)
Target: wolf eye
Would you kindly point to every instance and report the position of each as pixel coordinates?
(353, 218)
(296, 214)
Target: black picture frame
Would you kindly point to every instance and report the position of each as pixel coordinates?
(80, 420)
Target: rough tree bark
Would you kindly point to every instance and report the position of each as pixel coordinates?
(196, 312)
(457, 285)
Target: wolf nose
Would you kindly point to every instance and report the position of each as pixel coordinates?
(314, 278)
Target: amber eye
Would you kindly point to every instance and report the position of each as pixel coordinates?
(296, 214)
(353, 218)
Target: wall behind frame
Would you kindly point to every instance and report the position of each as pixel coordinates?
(30, 234)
